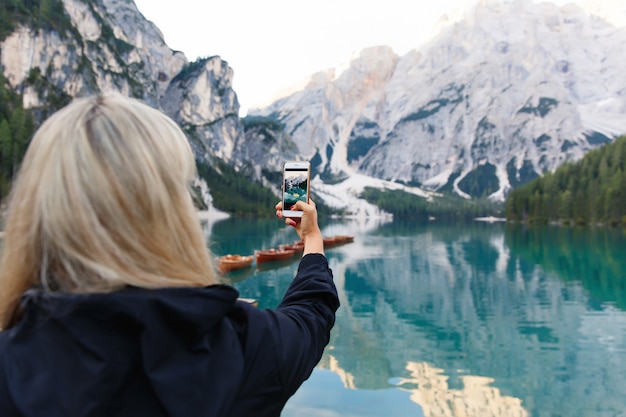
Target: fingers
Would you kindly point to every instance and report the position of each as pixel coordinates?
(299, 205)
(302, 206)
(279, 209)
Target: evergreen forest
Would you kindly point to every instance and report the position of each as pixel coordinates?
(16, 128)
(37, 14)
(589, 191)
(18, 125)
(447, 207)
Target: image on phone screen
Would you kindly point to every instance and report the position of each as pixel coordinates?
(295, 186)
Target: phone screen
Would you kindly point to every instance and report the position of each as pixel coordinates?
(295, 185)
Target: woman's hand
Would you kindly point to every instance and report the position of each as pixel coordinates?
(306, 226)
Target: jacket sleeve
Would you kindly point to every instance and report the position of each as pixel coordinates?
(304, 319)
(7, 406)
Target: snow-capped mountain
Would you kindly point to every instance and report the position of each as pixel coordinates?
(509, 92)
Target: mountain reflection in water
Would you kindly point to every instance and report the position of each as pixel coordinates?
(465, 320)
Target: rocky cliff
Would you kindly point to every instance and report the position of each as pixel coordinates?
(104, 45)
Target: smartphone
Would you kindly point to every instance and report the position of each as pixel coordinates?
(296, 186)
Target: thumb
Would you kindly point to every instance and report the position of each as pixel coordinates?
(299, 205)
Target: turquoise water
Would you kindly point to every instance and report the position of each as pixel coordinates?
(458, 320)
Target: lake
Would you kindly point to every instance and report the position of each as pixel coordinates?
(457, 320)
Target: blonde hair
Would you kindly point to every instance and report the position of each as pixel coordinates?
(102, 201)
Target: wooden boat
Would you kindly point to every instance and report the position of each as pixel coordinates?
(268, 266)
(271, 255)
(229, 262)
(297, 247)
(331, 241)
(344, 238)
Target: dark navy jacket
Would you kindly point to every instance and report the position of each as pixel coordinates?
(176, 352)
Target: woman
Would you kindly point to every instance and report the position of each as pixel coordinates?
(108, 301)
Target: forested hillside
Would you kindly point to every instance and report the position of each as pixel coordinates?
(592, 190)
(38, 14)
(16, 124)
(446, 207)
(16, 129)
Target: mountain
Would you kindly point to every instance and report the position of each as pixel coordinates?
(510, 92)
(54, 50)
(93, 46)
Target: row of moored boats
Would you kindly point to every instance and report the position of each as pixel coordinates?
(229, 263)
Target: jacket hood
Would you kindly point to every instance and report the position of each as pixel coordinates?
(164, 341)
(185, 310)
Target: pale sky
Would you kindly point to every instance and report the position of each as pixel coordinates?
(274, 44)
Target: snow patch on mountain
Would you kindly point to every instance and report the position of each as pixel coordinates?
(605, 116)
(344, 196)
